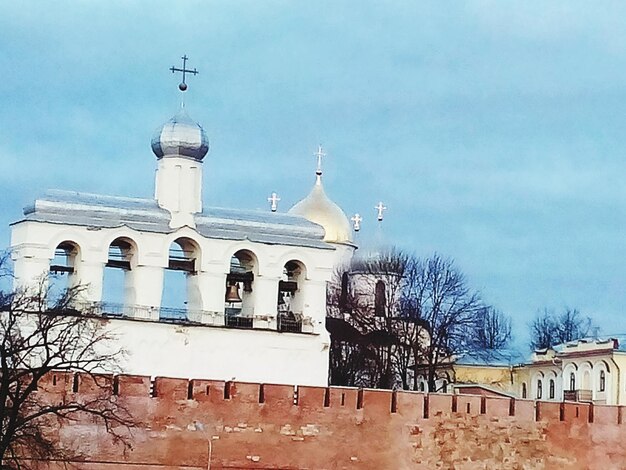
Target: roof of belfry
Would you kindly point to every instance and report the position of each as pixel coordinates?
(99, 211)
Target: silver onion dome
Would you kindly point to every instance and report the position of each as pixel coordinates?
(180, 136)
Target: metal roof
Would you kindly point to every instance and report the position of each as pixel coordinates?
(100, 211)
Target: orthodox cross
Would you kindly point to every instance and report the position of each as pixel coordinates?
(319, 154)
(356, 222)
(184, 70)
(380, 208)
(273, 200)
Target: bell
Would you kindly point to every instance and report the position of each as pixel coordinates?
(232, 293)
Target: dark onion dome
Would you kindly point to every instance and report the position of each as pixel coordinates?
(181, 136)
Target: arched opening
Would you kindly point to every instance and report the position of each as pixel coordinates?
(539, 389)
(444, 386)
(291, 297)
(552, 391)
(181, 292)
(239, 296)
(118, 290)
(572, 381)
(602, 382)
(380, 301)
(524, 391)
(343, 296)
(63, 273)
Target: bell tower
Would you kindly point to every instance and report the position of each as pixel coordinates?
(180, 145)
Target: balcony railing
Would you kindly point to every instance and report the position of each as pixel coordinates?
(289, 324)
(578, 395)
(233, 317)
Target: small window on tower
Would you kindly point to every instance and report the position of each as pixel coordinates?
(343, 299)
(379, 299)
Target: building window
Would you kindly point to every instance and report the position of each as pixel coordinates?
(523, 390)
(552, 389)
(343, 299)
(602, 381)
(421, 386)
(539, 389)
(444, 386)
(379, 299)
(572, 381)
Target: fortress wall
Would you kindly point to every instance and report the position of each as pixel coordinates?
(267, 426)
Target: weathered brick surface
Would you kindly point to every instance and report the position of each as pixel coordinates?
(253, 426)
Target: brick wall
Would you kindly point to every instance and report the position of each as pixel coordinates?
(254, 426)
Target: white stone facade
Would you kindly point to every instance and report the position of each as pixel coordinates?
(274, 266)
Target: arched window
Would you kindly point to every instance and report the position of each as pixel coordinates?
(379, 299)
(552, 391)
(444, 386)
(64, 271)
(524, 390)
(343, 297)
(539, 389)
(118, 292)
(421, 386)
(572, 381)
(181, 291)
(290, 307)
(239, 296)
(602, 384)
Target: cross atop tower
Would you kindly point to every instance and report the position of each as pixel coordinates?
(183, 86)
(319, 154)
(356, 222)
(380, 207)
(273, 200)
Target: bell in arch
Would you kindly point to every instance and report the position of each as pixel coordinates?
(232, 292)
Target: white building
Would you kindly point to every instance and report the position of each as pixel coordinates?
(255, 299)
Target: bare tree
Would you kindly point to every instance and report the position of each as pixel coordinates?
(452, 311)
(549, 328)
(494, 330)
(40, 336)
(411, 316)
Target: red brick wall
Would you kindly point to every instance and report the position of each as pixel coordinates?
(252, 426)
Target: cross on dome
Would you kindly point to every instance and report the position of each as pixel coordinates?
(319, 154)
(380, 207)
(356, 222)
(273, 200)
(183, 86)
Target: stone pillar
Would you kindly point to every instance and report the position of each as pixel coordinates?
(266, 298)
(89, 278)
(29, 272)
(148, 291)
(212, 286)
(314, 293)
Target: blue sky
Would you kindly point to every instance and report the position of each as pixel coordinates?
(494, 131)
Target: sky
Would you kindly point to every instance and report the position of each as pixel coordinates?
(495, 132)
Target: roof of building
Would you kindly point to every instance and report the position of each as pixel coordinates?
(494, 358)
(100, 211)
(615, 342)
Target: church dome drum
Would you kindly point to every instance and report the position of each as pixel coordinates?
(181, 136)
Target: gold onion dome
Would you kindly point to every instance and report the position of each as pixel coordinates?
(319, 209)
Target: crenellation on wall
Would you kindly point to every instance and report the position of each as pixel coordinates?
(134, 386)
(239, 421)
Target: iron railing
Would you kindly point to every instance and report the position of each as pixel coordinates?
(578, 395)
(289, 325)
(233, 317)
